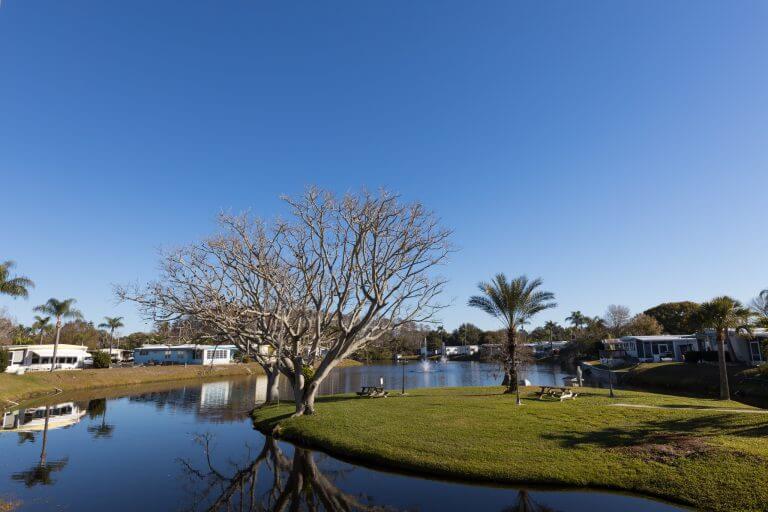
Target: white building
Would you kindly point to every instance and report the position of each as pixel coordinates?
(663, 347)
(460, 350)
(185, 354)
(741, 349)
(29, 358)
(118, 355)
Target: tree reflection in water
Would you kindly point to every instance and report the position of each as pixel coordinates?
(288, 483)
(96, 408)
(42, 472)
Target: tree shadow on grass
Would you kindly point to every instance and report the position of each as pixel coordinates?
(652, 431)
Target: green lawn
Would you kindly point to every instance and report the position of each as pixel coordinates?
(687, 451)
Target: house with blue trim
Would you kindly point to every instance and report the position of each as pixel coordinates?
(184, 354)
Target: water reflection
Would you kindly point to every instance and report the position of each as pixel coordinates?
(98, 408)
(276, 481)
(63, 455)
(42, 472)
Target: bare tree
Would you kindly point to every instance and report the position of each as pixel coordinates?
(617, 318)
(339, 274)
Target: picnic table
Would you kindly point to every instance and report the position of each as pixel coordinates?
(556, 392)
(372, 392)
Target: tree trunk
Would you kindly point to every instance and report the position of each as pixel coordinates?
(273, 384)
(56, 344)
(725, 393)
(307, 404)
(510, 363)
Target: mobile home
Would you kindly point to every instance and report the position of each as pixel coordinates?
(184, 354)
(29, 358)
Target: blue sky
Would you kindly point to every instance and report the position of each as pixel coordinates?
(619, 150)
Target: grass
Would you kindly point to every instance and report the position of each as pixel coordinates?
(687, 451)
(18, 388)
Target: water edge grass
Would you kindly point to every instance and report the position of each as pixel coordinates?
(686, 450)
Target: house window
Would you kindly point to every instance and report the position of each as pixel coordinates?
(754, 351)
(143, 352)
(180, 355)
(35, 359)
(217, 354)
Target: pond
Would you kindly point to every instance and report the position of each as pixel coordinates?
(191, 447)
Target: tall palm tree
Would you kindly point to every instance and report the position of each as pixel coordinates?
(59, 309)
(42, 323)
(723, 314)
(17, 286)
(514, 303)
(111, 323)
(577, 319)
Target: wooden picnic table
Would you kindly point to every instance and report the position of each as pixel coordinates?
(559, 392)
(372, 391)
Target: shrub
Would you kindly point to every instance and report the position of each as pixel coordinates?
(711, 356)
(5, 359)
(101, 360)
(693, 356)
(246, 359)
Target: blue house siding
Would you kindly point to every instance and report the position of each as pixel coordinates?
(198, 354)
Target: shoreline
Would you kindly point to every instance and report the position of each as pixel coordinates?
(18, 390)
(548, 467)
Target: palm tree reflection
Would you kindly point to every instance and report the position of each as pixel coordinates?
(43, 471)
(98, 408)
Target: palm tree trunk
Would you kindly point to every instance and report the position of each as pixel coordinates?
(56, 344)
(725, 393)
(510, 366)
(111, 342)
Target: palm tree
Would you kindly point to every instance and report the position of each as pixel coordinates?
(111, 323)
(514, 303)
(577, 319)
(59, 309)
(16, 286)
(42, 323)
(723, 314)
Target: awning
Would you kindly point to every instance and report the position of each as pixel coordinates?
(62, 352)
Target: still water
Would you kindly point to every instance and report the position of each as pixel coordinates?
(192, 448)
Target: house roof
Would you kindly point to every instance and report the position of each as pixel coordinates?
(187, 346)
(661, 337)
(37, 348)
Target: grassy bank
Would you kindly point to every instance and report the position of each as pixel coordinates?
(18, 388)
(687, 450)
(31, 386)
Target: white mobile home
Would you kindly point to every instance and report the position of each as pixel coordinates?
(742, 349)
(29, 358)
(118, 355)
(654, 348)
(184, 354)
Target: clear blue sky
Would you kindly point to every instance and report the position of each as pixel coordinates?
(619, 150)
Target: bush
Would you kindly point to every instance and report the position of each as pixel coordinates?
(101, 360)
(692, 356)
(5, 359)
(711, 356)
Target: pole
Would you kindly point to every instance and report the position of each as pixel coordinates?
(403, 391)
(610, 382)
